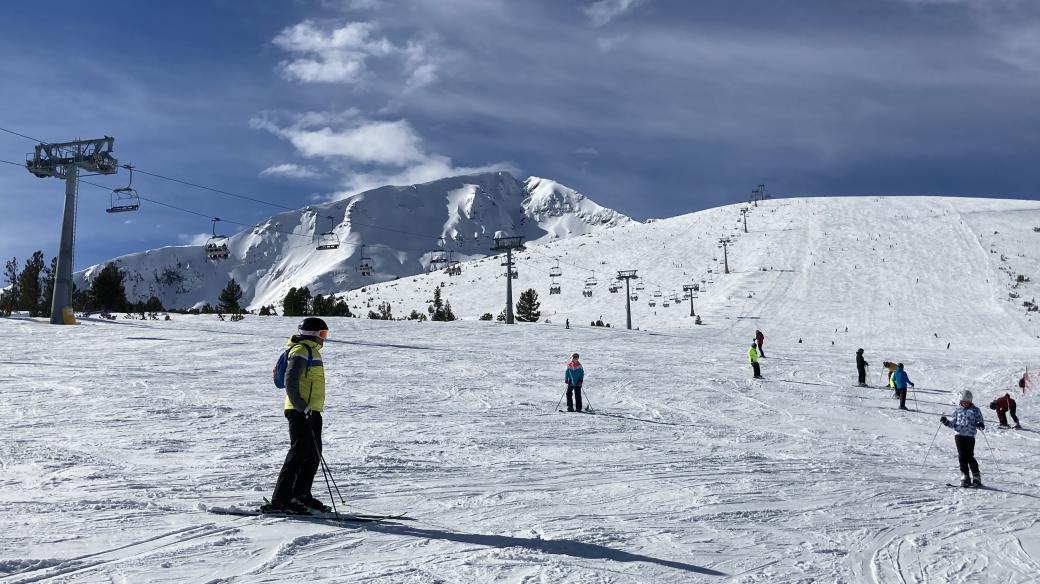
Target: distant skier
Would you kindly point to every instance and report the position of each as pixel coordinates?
(304, 401)
(567, 324)
(759, 339)
(1005, 404)
(891, 368)
(574, 377)
(861, 368)
(752, 355)
(966, 420)
(901, 380)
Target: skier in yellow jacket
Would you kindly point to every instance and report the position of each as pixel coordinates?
(304, 401)
(752, 355)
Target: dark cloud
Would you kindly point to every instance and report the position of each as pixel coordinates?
(685, 104)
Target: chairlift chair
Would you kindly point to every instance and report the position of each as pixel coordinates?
(640, 286)
(657, 293)
(591, 281)
(217, 246)
(652, 303)
(665, 304)
(328, 240)
(125, 199)
(635, 297)
(364, 263)
(555, 272)
(613, 288)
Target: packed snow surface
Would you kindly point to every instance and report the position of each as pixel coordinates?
(119, 435)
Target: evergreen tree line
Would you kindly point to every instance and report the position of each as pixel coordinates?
(31, 288)
(298, 302)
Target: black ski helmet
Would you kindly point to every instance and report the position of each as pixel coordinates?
(859, 351)
(311, 325)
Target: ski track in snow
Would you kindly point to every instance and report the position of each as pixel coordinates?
(118, 435)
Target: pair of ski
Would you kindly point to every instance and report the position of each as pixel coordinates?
(317, 516)
(972, 487)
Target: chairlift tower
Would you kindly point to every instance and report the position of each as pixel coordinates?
(508, 244)
(725, 241)
(64, 160)
(690, 289)
(743, 214)
(627, 275)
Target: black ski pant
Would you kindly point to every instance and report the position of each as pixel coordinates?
(966, 454)
(902, 397)
(304, 456)
(1003, 418)
(862, 375)
(576, 401)
(755, 367)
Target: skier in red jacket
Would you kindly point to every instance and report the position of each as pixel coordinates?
(759, 339)
(1002, 405)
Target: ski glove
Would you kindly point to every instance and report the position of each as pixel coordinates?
(944, 421)
(980, 426)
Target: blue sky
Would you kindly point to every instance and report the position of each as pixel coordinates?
(651, 107)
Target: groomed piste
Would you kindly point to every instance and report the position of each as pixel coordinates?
(119, 436)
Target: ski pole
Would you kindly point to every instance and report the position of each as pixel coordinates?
(916, 405)
(314, 441)
(929, 451)
(588, 402)
(991, 452)
(561, 400)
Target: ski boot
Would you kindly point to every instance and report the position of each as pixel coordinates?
(965, 481)
(1018, 426)
(314, 504)
(290, 507)
(977, 483)
(1003, 426)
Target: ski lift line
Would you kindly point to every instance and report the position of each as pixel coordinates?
(38, 141)
(591, 270)
(310, 237)
(250, 225)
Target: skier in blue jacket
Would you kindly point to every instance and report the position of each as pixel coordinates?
(966, 419)
(574, 377)
(901, 380)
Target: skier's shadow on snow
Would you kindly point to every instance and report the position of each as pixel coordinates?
(635, 419)
(562, 547)
(385, 345)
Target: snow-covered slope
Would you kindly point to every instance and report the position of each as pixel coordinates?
(902, 266)
(399, 227)
(119, 436)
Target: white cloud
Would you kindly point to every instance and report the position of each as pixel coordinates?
(430, 169)
(601, 12)
(193, 238)
(290, 170)
(334, 56)
(392, 150)
(587, 150)
(342, 54)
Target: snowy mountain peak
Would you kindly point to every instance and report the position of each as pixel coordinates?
(564, 212)
(398, 229)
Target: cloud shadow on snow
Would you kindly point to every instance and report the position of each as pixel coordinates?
(563, 547)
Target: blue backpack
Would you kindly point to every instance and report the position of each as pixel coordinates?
(283, 364)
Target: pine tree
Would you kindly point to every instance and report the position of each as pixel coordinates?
(106, 291)
(229, 298)
(527, 306)
(289, 303)
(9, 297)
(441, 310)
(385, 312)
(30, 285)
(340, 308)
(48, 283)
